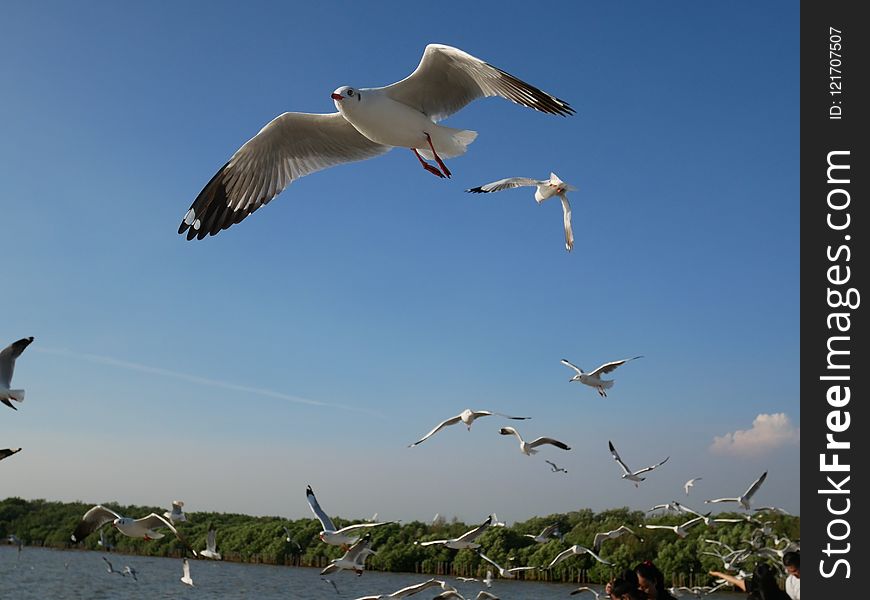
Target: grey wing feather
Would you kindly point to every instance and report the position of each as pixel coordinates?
(7, 359)
(291, 146)
(471, 535)
(92, 520)
(608, 367)
(546, 440)
(504, 184)
(447, 79)
(324, 519)
(437, 428)
(755, 485)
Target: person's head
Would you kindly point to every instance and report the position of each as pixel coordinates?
(625, 589)
(650, 580)
(763, 584)
(792, 562)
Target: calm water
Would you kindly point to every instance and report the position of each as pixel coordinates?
(37, 573)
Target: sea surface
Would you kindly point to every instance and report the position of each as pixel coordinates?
(43, 574)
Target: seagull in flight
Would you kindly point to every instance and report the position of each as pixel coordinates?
(582, 589)
(7, 452)
(369, 122)
(176, 515)
(554, 468)
(110, 568)
(744, 498)
(464, 541)
(412, 589)
(682, 529)
(143, 528)
(354, 558)
(506, 573)
(576, 550)
(211, 546)
(547, 188)
(528, 448)
(690, 483)
(593, 378)
(330, 535)
(468, 417)
(613, 534)
(628, 473)
(547, 533)
(7, 367)
(185, 573)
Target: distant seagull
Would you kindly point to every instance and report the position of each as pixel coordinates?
(437, 519)
(580, 590)
(211, 546)
(576, 550)
(547, 533)
(185, 573)
(15, 540)
(528, 448)
(670, 507)
(593, 378)
(411, 590)
(682, 529)
(103, 542)
(706, 518)
(506, 573)
(128, 570)
(142, 528)
(773, 509)
(487, 581)
(331, 535)
(496, 522)
(612, 534)
(354, 559)
(746, 496)
(176, 515)
(110, 568)
(332, 583)
(484, 595)
(467, 416)
(628, 473)
(547, 188)
(369, 122)
(464, 541)
(554, 468)
(7, 367)
(7, 452)
(690, 483)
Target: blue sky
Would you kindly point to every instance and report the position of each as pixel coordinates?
(312, 342)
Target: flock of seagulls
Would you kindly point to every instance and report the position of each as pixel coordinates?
(368, 122)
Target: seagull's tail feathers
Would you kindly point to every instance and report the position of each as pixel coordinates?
(449, 142)
(606, 384)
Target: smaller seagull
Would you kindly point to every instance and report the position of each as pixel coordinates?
(185, 573)
(506, 573)
(143, 528)
(354, 559)
(330, 535)
(7, 367)
(412, 589)
(690, 483)
(464, 541)
(682, 529)
(547, 533)
(593, 378)
(103, 542)
(669, 507)
(467, 416)
(547, 188)
(7, 452)
(580, 590)
(708, 520)
(528, 448)
(628, 473)
(576, 550)
(128, 570)
(211, 546)
(773, 509)
(613, 534)
(554, 468)
(484, 595)
(496, 522)
(746, 496)
(332, 583)
(110, 568)
(15, 540)
(176, 515)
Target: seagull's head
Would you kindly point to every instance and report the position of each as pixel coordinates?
(343, 95)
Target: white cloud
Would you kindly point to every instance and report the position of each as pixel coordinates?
(767, 432)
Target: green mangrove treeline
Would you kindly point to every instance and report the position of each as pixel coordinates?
(244, 538)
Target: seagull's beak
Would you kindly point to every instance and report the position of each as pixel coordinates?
(335, 96)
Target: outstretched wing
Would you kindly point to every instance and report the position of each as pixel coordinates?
(566, 217)
(755, 485)
(504, 184)
(360, 526)
(447, 79)
(651, 467)
(325, 521)
(7, 359)
(565, 362)
(615, 456)
(92, 520)
(291, 146)
(436, 429)
(608, 367)
(547, 440)
(471, 535)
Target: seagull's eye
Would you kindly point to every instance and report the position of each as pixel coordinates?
(350, 93)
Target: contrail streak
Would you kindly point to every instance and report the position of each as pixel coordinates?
(132, 366)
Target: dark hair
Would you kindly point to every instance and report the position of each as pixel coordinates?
(792, 559)
(622, 586)
(763, 585)
(649, 571)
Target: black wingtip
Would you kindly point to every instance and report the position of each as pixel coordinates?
(476, 190)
